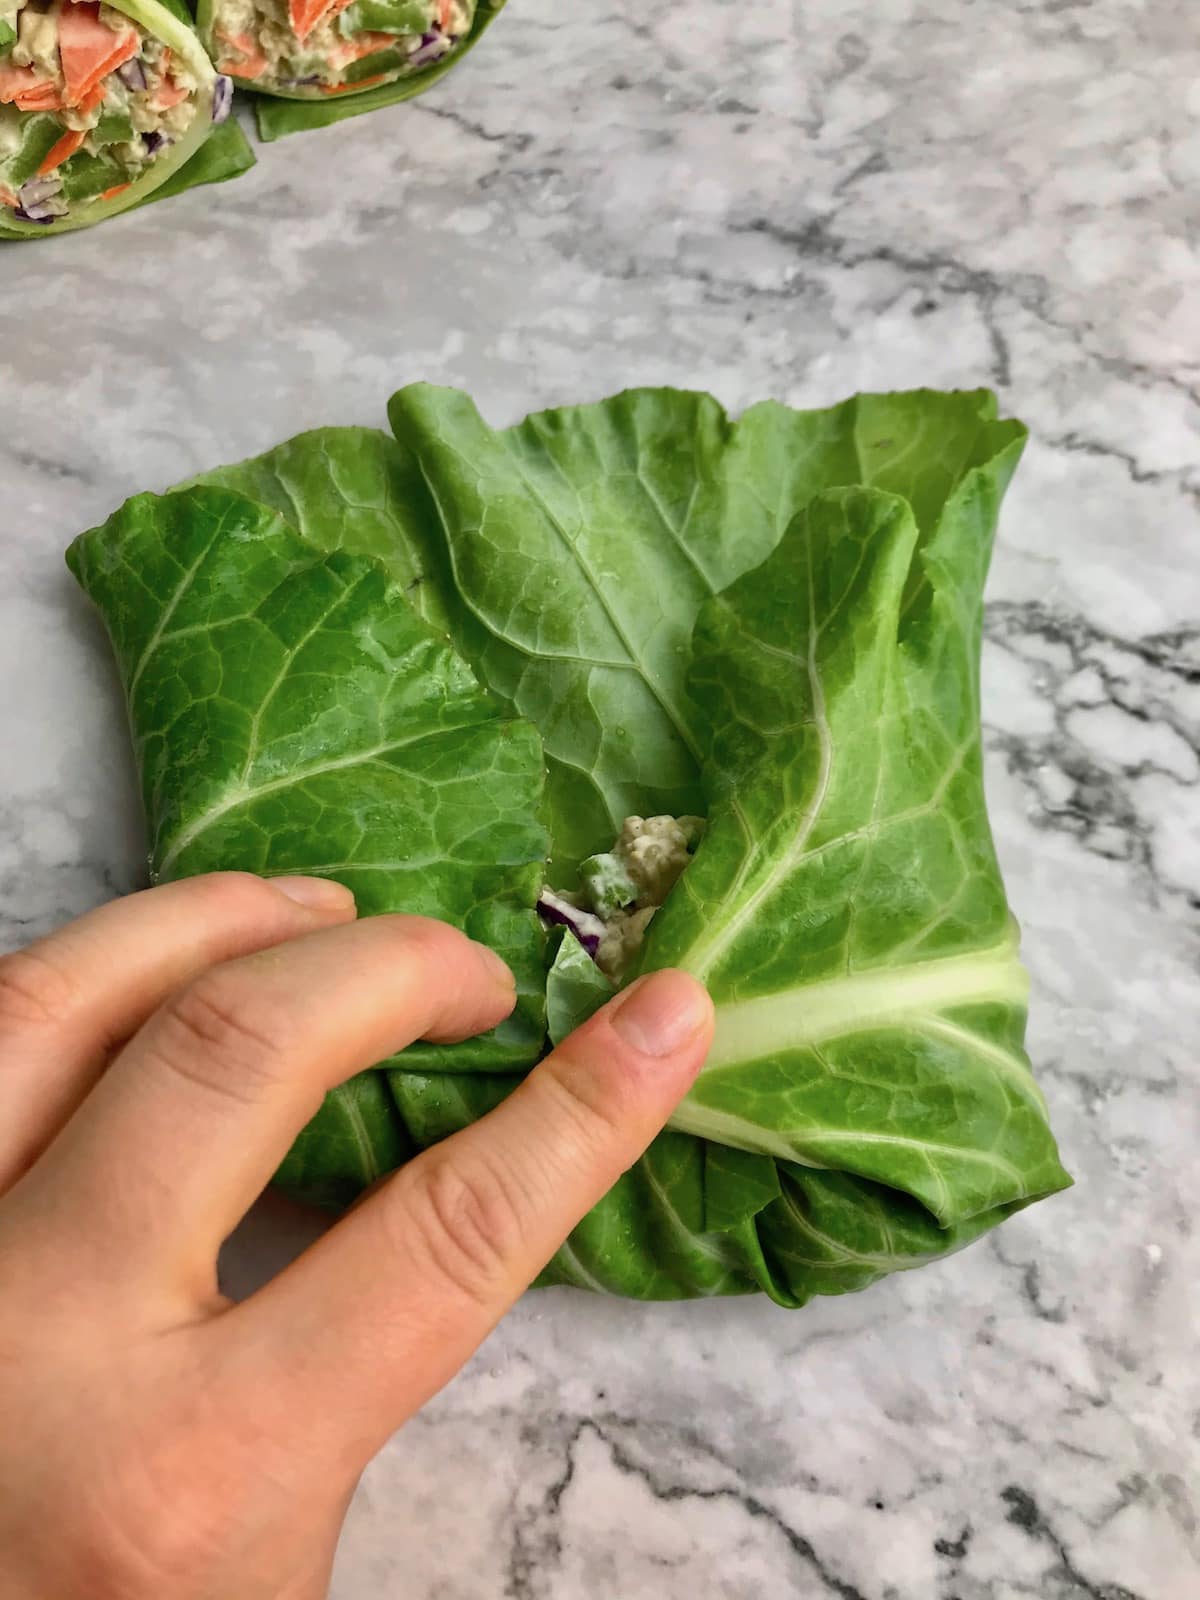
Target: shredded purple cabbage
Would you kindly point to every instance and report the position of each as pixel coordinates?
(154, 142)
(133, 75)
(585, 925)
(433, 47)
(35, 190)
(222, 100)
(40, 200)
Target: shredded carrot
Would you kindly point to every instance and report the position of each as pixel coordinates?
(9, 199)
(168, 95)
(242, 69)
(117, 188)
(44, 98)
(444, 15)
(253, 62)
(348, 88)
(21, 87)
(63, 150)
(89, 50)
(304, 15)
(363, 44)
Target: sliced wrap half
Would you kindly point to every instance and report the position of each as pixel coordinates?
(323, 60)
(103, 107)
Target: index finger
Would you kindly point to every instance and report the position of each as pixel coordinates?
(195, 1114)
(68, 1001)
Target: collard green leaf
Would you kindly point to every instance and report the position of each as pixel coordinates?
(845, 908)
(577, 549)
(349, 489)
(291, 714)
(575, 988)
(581, 549)
(695, 1218)
(646, 1238)
(832, 1233)
(569, 556)
(355, 1138)
(225, 154)
(775, 621)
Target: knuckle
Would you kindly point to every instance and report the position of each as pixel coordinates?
(223, 1034)
(587, 1103)
(35, 992)
(467, 1219)
(437, 964)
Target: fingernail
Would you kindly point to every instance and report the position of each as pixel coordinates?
(660, 1014)
(499, 969)
(318, 894)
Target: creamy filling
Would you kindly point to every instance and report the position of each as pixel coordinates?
(623, 888)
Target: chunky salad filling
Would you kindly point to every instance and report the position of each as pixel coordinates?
(316, 47)
(89, 101)
(623, 888)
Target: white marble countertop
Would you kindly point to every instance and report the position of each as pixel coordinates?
(796, 200)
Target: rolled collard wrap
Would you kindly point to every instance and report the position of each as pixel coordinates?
(323, 60)
(103, 107)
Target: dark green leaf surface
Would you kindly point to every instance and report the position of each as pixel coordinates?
(291, 714)
(225, 154)
(775, 621)
(355, 1138)
(349, 489)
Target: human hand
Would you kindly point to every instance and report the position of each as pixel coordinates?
(157, 1058)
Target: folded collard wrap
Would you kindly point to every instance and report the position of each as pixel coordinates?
(416, 664)
(103, 107)
(323, 60)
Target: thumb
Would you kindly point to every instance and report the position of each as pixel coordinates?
(381, 1312)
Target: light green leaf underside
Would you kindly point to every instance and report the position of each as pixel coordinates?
(577, 548)
(845, 908)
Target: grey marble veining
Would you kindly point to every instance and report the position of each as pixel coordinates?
(796, 200)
